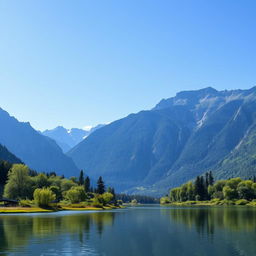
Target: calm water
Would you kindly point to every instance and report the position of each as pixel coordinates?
(140, 231)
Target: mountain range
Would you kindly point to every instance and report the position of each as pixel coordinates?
(34, 149)
(68, 138)
(151, 151)
(180, 138)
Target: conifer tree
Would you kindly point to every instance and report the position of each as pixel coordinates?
(87, 184)
(81, 178)
(100, 186)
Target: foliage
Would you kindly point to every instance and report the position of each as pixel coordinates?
(67, 185)
(19, 183)
(232, 191)
(41, 181)
(134, 201)
(81, 178)
(76, 194)
(140, 198)
(100, 186)
(165, 200)
(107, 197)
(24, 183)
(97, 201)
(87, 184)
(43, 196)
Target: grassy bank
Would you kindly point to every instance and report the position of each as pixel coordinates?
(24, 210)
(214, 202)
(74, 207)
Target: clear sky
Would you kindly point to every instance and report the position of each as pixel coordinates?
(78, 63)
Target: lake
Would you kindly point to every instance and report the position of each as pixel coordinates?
(140, 231)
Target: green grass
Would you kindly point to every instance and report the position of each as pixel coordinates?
(214, 202)
(24, 210)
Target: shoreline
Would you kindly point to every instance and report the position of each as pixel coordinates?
(213, 203)
(8, 210)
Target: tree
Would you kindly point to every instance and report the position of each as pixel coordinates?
(134, 201)
(107, 197)
(43, 196)
(100, 186)
(81, 178)
(76, 194)
(229, 193)
(87, 184)
(112, 191)
(245, 190)
(41, 181)
(56, 190)
(190, 191)
(4, 169)
(211, 179)
(19, 184)
(67, 184)
(199, 188)
(74, 179)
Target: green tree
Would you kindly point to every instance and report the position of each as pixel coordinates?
(100, 186)
(76, 194)
(87, 184)
(229, 193)
(190, 191)
(57, 191)
(107, 197)
(74, 179)
(19, 183)
(245, 190)
(41, 181)
(134, 201)
(43, 196)
(81, 178)
(67, 185)
(211, 179)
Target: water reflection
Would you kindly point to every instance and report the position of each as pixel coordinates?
(206, 220)
(17, 230)
(143, 231)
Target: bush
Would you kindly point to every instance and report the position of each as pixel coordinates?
(107, 197)
(165, 200)
(242, 202)
(134, 201)
(25, 203)
(76, 194)
(96, 202)
(43, 197)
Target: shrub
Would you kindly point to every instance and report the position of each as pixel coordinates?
(43, 197)
(76, 194)
(165, 200)
(25, 203)
(241, 202)
(107, 197)
(96, 202)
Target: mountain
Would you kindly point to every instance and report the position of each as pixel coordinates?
(6, 155)
(34, 149)
(180, 138)
(68, 138)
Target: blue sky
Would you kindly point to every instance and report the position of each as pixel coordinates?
(78, 63)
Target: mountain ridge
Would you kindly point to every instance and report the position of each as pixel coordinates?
(34, 149)
(181, 137)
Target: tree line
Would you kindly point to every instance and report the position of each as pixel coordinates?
(139, 198)
(21, 183)
(204, 188)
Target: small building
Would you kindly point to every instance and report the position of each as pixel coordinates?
(9, 202)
